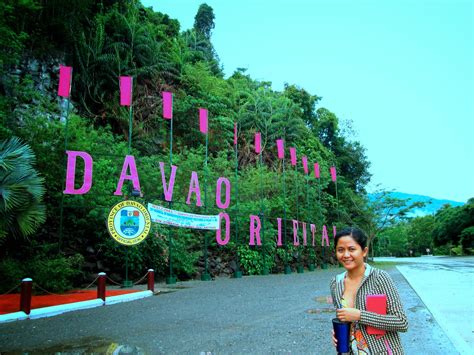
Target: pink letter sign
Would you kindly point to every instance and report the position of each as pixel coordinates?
(316, 170)
(167, 105)
(258, 142)
(296, 240)
(71, 172)
(128, 163)
(194, 187)
(203, 120)
(227, 192)
(293, 156)
(126, 90)
(255, 230)
(305, 164)
(65, 74)
(279, 232)
(168, 190)
(333, 173)
(280, 148)
(334, 231)
(324, 237)
(313, 231)
(225, 216)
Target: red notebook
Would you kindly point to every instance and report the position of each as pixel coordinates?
(376, 304)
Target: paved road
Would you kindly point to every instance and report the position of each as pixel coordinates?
(255, 314)
(445, 285)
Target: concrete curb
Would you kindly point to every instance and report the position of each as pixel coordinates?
(69, 307)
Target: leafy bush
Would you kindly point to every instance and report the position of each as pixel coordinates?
(11, 273)
(55, 274)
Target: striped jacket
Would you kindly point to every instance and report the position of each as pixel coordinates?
(376, 281)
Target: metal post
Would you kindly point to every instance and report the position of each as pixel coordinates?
(151, 280)
(170, 279)
(61, 207)
(287, 270)
(237, 272)
(128, 283)
(101, 286)
(262, 216)
(299, 267)
(25, 296)
(205, 276)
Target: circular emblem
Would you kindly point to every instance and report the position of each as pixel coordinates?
(129, 222)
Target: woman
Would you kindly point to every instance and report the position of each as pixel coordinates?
(350, 289)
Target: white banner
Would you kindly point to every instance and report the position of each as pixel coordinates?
(182, 219)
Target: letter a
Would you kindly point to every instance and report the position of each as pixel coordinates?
(194, 187)
(128, 163)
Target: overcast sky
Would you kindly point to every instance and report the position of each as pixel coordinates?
(402, 71)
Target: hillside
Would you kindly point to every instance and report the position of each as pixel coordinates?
(431, 207)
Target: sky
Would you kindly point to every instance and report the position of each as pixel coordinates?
(401, 71)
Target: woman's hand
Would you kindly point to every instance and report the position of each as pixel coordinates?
(348, 314)
(334, 340)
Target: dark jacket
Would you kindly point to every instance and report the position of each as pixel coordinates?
(376, 281)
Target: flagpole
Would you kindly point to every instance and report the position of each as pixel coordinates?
(127, 283)
(205, 276)
(287, 270)
(170, 279)
(299, 267)
(311, 264)
(68, 98)
(237, 272)
(262, 214)
(61, 208)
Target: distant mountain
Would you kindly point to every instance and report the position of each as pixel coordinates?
(432, 204)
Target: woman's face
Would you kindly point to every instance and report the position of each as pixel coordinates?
(350, 253)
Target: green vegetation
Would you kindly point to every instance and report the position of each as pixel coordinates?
(102, 40)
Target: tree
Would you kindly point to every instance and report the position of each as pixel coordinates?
(420, 234)
(452, 225)
(204, 21)
(21, 190)
(381, 212)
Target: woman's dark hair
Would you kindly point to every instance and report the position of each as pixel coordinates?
(354, 233)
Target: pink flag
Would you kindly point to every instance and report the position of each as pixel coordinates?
(293, 156)
(258, 145)
(167, 105)
(126, 90)
(305, 164)
(65, 74)
(203, 120)
(316, 170)
(280, 148)
(235, 133)
(333, 173)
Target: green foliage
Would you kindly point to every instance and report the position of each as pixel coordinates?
(22, 190)
(103, 40)
(55, 274)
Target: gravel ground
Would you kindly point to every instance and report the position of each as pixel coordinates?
(255, 314)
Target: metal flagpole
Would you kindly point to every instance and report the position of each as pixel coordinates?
(170, 279)
(128, 283)
(262, 216)
(205, 276)
(299, 267)
(237, 272)
(67, 95)
(61, 208)
(287, 267)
